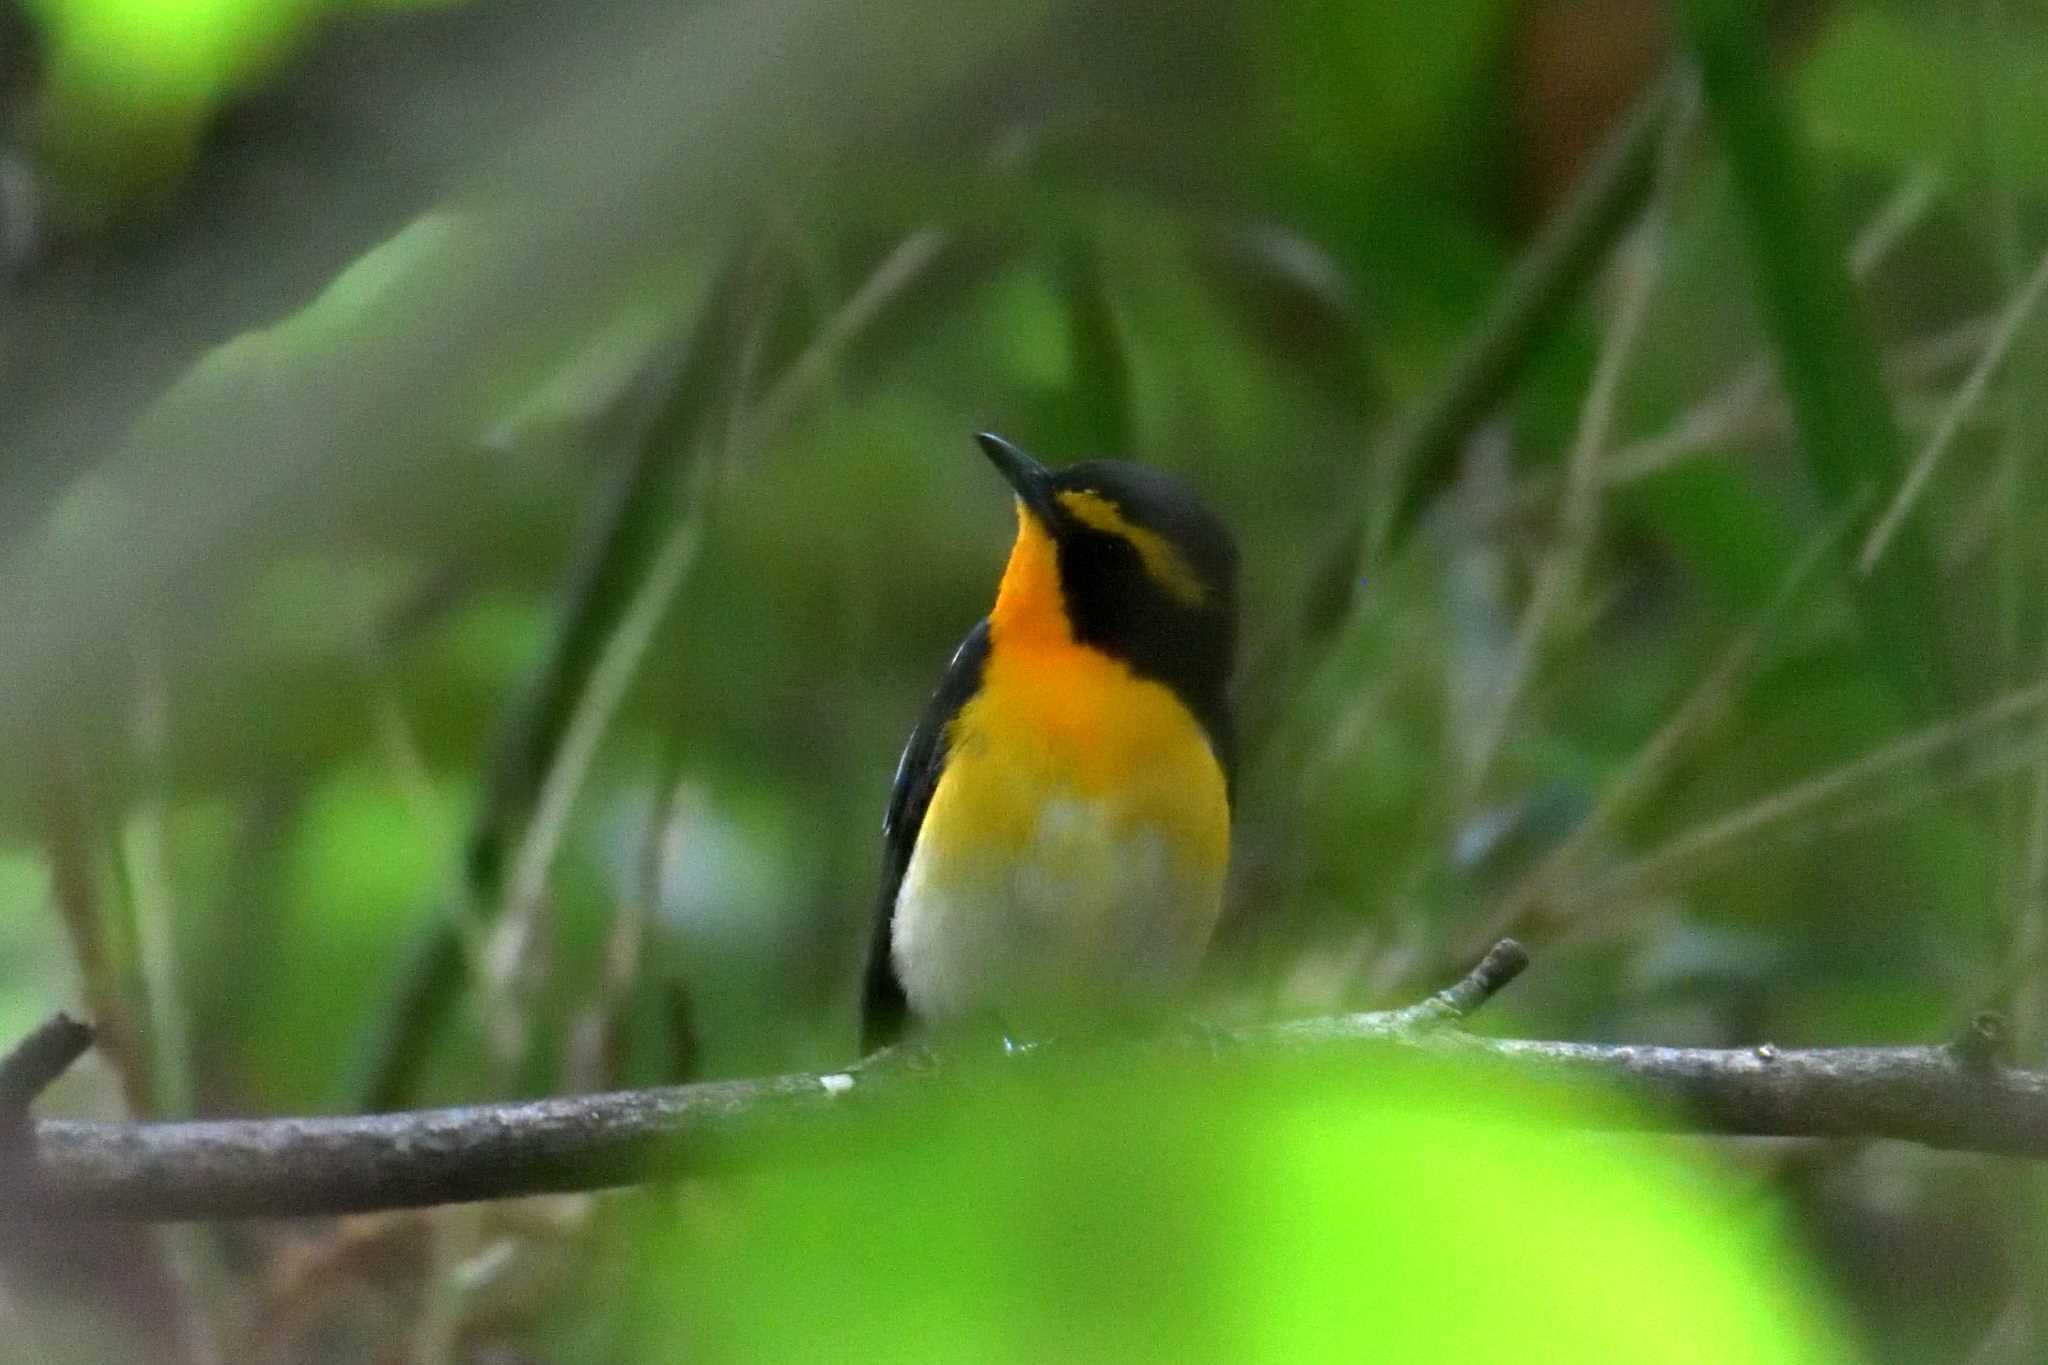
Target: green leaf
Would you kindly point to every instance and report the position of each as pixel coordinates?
(1117, 1209)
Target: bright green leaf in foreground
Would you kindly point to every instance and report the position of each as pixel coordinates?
(133, 82)
(1123, 1212)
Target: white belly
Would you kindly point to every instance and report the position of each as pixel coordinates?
(1092, 916)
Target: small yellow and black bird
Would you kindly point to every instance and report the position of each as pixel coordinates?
(1056, 843)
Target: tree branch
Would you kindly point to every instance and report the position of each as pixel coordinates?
(1454, 1004)
(32, 1064)
(1959, 1096)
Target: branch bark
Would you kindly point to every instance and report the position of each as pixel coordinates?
(1960, 1096)
(296, 1167)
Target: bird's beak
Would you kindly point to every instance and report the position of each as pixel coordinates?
(1032, 480)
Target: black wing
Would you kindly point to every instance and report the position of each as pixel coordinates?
(883, 1006)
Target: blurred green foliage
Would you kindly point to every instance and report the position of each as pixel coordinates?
(337, 326)
(132, 84)
(1127, 1213)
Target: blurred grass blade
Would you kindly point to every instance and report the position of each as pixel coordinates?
(1966, 402)
(605, 688)
(699, 114)
(1099, 410)
(624, 536)
(633, 543)
(1681, 737)
(1826, 358)
(1714, 839)
(1420, 454)
(1639, 266)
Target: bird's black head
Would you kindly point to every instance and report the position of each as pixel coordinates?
(1145, 572)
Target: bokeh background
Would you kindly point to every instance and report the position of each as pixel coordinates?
(486, 487)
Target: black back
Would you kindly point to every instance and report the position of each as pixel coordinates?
(884, 1009)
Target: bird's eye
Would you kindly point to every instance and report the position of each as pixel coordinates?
(1164, 564)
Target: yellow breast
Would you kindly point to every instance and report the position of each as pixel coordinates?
(1062, 720)
(1073, 856)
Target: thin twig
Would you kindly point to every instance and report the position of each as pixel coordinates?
(1985, 1041)
(1962, 405)
(1894, 220)
(618, 664)
(660, 418)
(398, 744)
(445, 1293)
(619, 658)
(32, 1064)
(1564, 561)
(1992, 762)
(1418, 454)
(75, 891)
(1750, 407)
(1650, 767)
(1421, 451)
(1848, 434)
(145, 865)
(1723, 833)
(911, 260)
(1750, 404)
(1457, 1002)
(591, 1054)
(630, 540)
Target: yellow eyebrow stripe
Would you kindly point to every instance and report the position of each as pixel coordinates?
(1164, 564)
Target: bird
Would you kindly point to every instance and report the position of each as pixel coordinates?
(1057, 838)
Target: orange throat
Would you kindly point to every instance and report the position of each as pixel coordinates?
(1030, 607)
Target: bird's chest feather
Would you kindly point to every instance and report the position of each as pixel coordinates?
(1074, 851)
